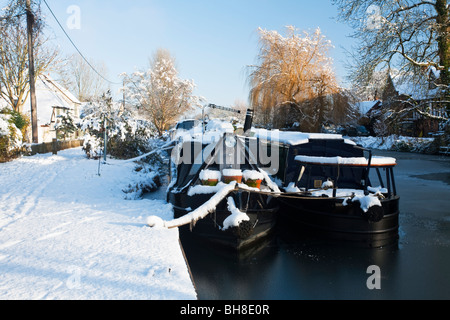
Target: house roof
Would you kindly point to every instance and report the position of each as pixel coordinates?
(365, 106)
(59, 90)
(418, 90)
(49, 94)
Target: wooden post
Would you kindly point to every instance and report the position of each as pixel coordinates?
(34, 126)
(105, 138)
(55, 146)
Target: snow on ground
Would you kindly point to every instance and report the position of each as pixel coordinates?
(68, 233)
(392, 141)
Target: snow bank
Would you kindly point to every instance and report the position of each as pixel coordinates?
(394, 143)
(68, 233)
(236, 216)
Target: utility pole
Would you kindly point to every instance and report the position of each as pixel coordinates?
(30, 22)
(122, 108)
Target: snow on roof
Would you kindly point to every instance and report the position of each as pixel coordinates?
(219, 125)
(66, 93)
(364, 106)
(416, 90)
(49, 94)
(293, 137)
(357, 161)
(215, 130)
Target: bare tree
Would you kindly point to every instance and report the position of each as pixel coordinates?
(80, 79)
(411, 36)
(14, 79)
(158, 93)
(292, 71)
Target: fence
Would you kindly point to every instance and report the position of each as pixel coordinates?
(55, 146)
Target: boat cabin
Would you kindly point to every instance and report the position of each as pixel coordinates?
(311, 161)
(352, 173)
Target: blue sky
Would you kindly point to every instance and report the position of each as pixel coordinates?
(213, 41)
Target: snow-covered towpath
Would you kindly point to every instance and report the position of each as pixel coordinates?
(68, 233)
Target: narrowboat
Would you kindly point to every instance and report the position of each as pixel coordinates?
(219, 189)
(333, 188)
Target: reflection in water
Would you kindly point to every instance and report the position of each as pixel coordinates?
(287, 269)
(417, 267)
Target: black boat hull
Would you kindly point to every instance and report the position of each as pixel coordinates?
(261, 224)
(329, 218)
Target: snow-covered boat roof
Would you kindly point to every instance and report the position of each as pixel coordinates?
(358, 161)
(295, 137)
(215, 130)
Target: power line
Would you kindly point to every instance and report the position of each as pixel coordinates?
(82, 56)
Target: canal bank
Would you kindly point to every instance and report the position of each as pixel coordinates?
(291, 268)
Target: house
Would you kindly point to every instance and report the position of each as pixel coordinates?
(365, 108)
(413, 109)
(52, 101)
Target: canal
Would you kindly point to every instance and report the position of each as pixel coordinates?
(283, 268)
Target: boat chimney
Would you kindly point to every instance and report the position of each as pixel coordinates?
(248, 120)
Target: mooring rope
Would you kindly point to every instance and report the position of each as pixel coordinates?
(166, 146)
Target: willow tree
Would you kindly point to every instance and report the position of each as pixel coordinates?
(292, 78)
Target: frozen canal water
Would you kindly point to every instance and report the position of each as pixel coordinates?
(417, 267)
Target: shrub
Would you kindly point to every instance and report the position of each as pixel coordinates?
(127, 136)
(13, 126)
(144, 180)
(65, 126)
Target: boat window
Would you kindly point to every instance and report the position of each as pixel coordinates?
(187, 124)
(344, 177)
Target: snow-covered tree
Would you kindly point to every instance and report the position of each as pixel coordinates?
(12, 126)
(65, 125)
(158, 93)
(128, 135)
(292, 78)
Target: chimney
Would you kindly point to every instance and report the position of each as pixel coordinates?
(248, 120)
